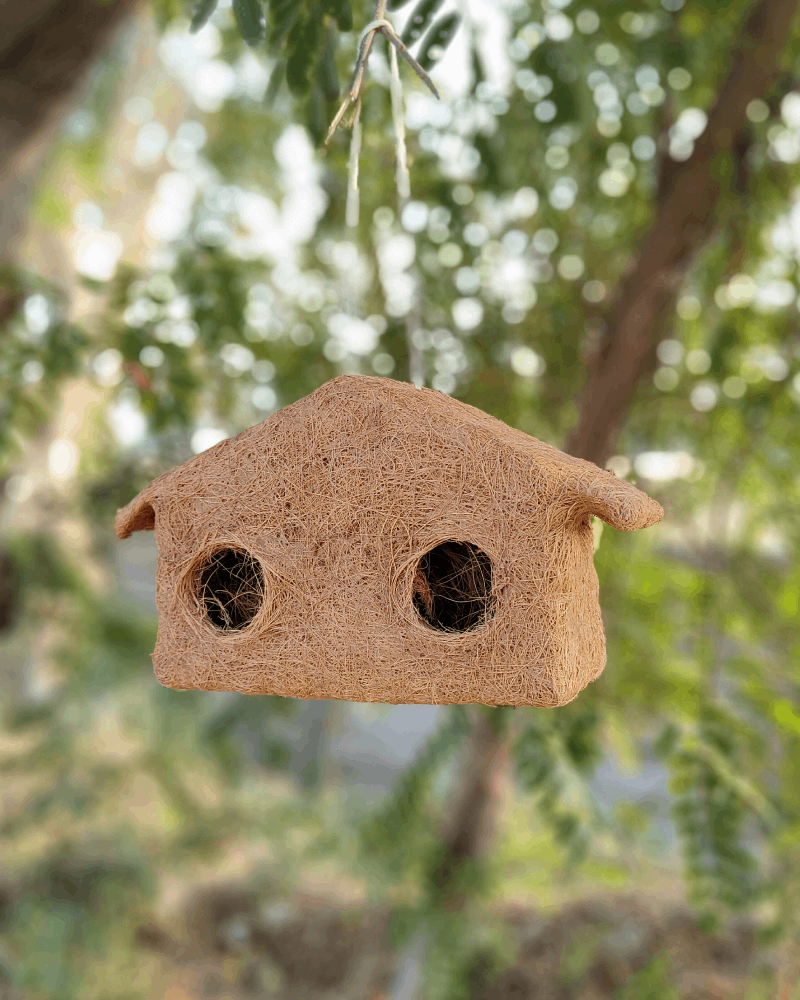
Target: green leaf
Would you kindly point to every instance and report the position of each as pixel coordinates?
(248, 17)
(787, 716)
(302, 44)
(283, 16)
(666, 741)
(328, 77)
(788, 600)
(297, 73)
(317, 114)
(420, 19)
(438, 38)
(276, 78)
(202, 12)
(343, 13)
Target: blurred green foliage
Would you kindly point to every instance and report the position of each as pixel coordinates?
(302, 36)
(531, 234)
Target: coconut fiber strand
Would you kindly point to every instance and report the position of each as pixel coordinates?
(379, 542)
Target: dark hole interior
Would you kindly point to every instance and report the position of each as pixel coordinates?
(453, 587)
(230, 589)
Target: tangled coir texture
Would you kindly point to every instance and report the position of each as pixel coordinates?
(379, 542)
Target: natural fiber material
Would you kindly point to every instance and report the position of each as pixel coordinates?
(379, 542)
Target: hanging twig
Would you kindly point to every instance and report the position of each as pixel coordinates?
(416, 361)
(352, 206)
(403, 179)
(416, 356)
(378, 24)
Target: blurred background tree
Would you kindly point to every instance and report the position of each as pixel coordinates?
(601, 248)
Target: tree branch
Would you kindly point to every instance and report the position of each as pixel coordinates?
(642, 310)
(468, 832)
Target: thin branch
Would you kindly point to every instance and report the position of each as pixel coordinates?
(365, 47)
(412, 62)
(377, 24)
(364, 50)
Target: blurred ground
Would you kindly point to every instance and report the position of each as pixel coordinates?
(229, 943)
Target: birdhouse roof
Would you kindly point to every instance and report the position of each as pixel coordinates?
(342, 414)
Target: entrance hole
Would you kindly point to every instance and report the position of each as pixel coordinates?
(230, 589)
(453, 587)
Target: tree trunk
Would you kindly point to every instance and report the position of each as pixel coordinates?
(468, 833)
(46, 48)
(688, 197)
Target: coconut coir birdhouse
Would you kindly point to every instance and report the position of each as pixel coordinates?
(379, 542)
